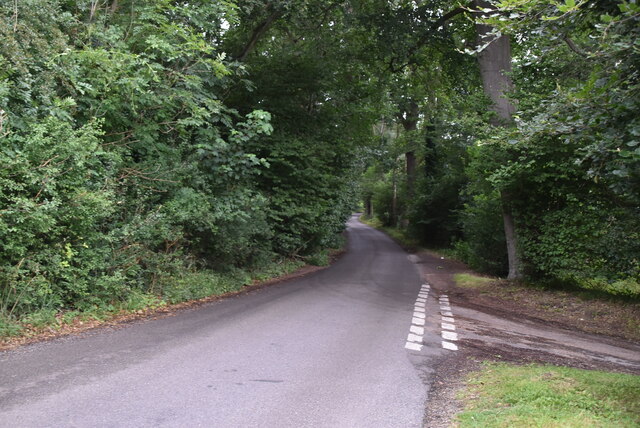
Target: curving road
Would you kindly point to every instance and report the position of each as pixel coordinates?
(326, 350)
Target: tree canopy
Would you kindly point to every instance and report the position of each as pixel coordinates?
(145, 144)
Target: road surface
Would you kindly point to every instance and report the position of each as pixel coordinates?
(326, 350)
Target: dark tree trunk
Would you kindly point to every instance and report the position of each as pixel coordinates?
(495, 64)
(411, 171)
(258, 32)
(394, 203)
(511, 237)
(410, 123)
(430, 159)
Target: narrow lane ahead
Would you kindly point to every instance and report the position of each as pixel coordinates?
(326, 350)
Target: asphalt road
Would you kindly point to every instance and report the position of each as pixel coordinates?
(326, 350)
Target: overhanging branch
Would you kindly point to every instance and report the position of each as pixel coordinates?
(258, 32)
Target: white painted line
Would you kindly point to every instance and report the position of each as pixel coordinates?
(418, 309)
(421, 299)
(426, 284)
(448, 326)
(449, 335)
(413, 346)
(446, 313)
(423, 295)
(418, 315)
(417, 321)
(447, 319)
(445, 307)
(416, 330)
(414, 338)
(420, 304)
(449, 345)
(442, 301)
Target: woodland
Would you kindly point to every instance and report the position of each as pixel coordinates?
(156, 151)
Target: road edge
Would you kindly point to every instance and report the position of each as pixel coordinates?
(124, 319)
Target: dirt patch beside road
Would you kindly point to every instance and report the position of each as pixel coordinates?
(574, 310)
(501, 321)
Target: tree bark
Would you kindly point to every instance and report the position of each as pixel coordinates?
(394, 202)
(495, 65)
(511, 237)
(257, 33)
(410, 123)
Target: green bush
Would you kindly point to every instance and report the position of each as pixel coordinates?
(589, 244)
(483, 247)
(126, 179)
(320, 258)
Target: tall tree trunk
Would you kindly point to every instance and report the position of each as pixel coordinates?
(394, 202)
(410, 123)
(430, 159)
(410, 157)
(515, 271)
(495, 64)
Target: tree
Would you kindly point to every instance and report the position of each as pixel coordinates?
(494, 60)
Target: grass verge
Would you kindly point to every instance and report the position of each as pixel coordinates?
(468, 280)
(504, 395)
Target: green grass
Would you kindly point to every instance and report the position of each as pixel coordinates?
(467, 280)
(503, 395)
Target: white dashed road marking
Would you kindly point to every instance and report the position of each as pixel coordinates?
(413, 346)
(416, 331)
(414, 339)
(449, 335)
(447, 324)
(449, 345)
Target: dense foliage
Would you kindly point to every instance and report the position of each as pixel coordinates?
(152, 150)
(569, 165)
(140, 160)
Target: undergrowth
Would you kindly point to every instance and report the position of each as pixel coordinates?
(166, 290)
